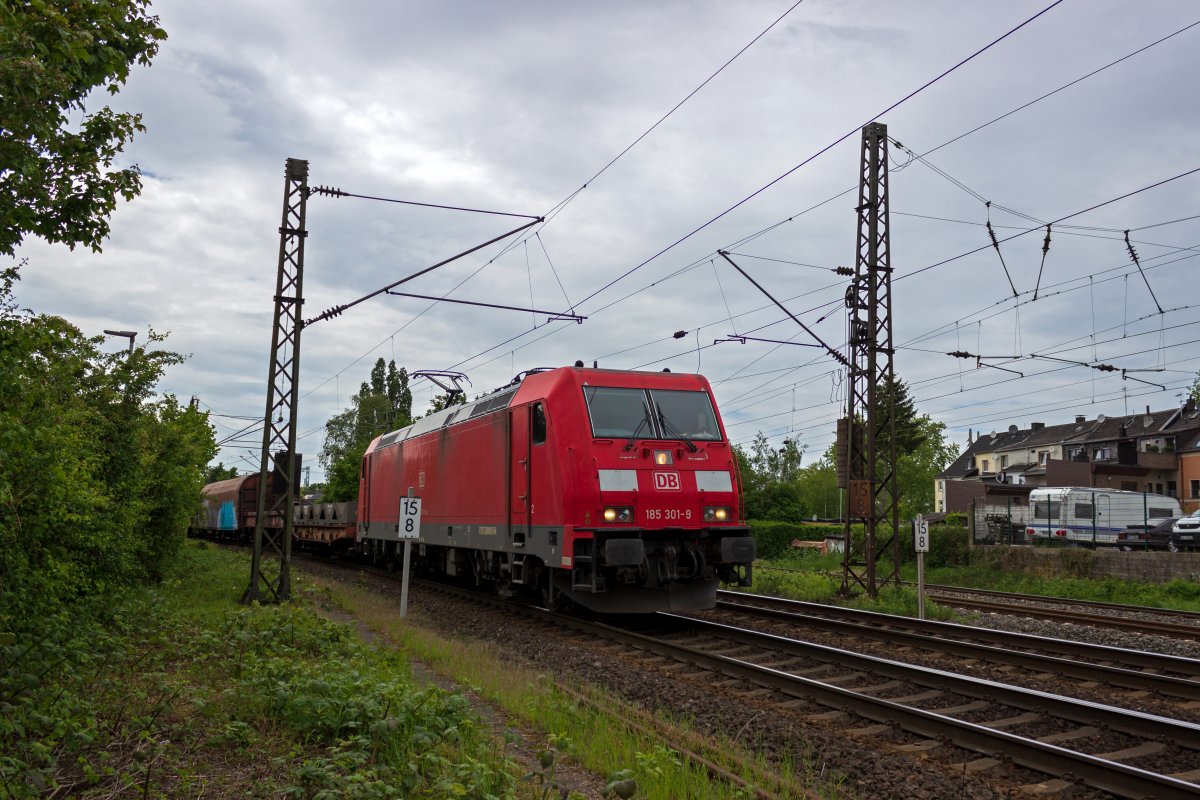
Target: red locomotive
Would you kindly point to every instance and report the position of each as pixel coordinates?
(617, 491)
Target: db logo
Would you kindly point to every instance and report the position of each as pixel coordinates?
(666, 481)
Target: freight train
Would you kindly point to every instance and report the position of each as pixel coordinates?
(614, 491)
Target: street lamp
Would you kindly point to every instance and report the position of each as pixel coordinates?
(130, 335)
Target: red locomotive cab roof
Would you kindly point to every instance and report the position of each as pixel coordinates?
(561, 388)
(543, 384)
(568, 387)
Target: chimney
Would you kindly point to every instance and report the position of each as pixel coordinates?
(1036, 426)
(1080, 419)
(1147, 409)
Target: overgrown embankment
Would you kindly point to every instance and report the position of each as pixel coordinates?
(176, 691)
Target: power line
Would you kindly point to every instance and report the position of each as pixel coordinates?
(823, 150)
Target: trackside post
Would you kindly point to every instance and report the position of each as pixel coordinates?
(921, 545)
(409, 528)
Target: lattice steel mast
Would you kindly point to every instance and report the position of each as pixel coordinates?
(867, 435)
(273, 523)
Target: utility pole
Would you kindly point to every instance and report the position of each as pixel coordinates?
(273, 520)
(867, 434)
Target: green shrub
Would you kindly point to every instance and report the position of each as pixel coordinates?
(774, 539)
(948, 547)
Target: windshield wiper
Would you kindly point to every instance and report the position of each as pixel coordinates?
(637, 430)
(669, 426)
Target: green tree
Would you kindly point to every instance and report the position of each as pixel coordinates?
(444, 401)
(98, 476)
(220, 473)
(910, 431)
(770, 479)
(916, 469)
(57, 180)
(1194, 392)
(384, 403)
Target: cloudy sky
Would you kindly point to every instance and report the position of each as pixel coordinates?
(516, 106)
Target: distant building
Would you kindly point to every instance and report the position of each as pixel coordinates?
(1155, 451)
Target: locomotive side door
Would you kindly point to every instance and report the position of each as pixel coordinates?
(364, 519)
(519, 505)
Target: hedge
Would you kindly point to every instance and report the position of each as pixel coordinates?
(947, 543)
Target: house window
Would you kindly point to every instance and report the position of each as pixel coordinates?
(1128, 486)
(1102, 454)
(986, 464)
(1195, 490)
(1043, 456)
(1170, 488)
(1003, 462)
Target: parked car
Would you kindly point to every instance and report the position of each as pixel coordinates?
(1186, 531)
(1155, 534)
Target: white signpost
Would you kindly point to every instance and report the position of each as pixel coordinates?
(408, 528)
(921, 545)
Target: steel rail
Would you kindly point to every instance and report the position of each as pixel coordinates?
(1073, 617)
(1134, 723)
(1116, 676)
(1143, 659)
(1042, 598)
(1110, 776)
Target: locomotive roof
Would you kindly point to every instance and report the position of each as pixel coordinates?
(539, 383)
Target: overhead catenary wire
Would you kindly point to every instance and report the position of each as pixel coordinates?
(949, 142)
(730, 314)
(823, 150)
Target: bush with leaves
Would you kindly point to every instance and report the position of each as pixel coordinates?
(98, 477)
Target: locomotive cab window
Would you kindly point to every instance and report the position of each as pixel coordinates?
(623, 413)
(537, 430)
(687, 413)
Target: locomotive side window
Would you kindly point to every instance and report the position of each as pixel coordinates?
(620, 413)
(537, 431)
(689, 413)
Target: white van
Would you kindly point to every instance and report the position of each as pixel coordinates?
(1092, 516)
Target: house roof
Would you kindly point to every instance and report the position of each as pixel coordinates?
(1181, 422)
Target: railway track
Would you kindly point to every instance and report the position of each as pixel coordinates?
(1067, 741)
(1099, 744)
(1192, 616)
(1120, 751)
(1167, 675)
(1142, 619)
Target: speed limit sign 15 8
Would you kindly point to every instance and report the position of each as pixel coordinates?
(410, 518)
(921, 535)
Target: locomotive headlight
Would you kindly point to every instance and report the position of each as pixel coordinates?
(717, 514)
(618, 514)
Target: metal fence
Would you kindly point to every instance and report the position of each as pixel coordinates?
(999, 523)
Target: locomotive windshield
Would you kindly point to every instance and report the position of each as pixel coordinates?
(618, 412)
(688, 413)
(626, 413)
